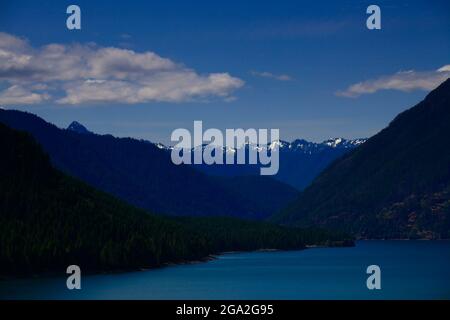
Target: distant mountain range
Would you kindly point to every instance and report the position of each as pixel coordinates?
(395, 185)
(300, 161)
(142, 174)
(49, 220)
(298, 145)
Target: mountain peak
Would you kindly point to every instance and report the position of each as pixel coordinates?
(78, 128)
(343, 143)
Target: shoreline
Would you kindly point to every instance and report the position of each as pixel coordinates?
(206, 259)
(210, 257)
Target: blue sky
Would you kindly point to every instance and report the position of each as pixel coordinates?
(278, 64)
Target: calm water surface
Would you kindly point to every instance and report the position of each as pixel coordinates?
(410, 270)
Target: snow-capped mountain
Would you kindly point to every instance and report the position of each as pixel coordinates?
(301, 145)
(343, 143)
(300, 160)
(163, 147)
(298, 145)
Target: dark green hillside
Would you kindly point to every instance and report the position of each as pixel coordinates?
(228, 233)
(49, 220)
(396, 185)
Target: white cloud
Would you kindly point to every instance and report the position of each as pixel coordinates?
(19, 95)
(403, 81)
(265, 74)
(444, 68)
(87, 73)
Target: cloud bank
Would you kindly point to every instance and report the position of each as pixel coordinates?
(402, 81)
(87, 73)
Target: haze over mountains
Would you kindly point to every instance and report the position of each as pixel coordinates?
(395, 185)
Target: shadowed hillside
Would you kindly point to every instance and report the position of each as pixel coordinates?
(143, 175)
(396, 185)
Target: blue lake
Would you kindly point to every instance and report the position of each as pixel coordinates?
(409, 270)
